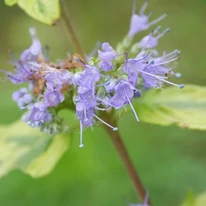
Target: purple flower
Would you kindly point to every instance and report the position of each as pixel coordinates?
(53, 81)
(86, 79)
(85, 101)
(22, 97)
(154, 71)
(85, 104)
(123, 93)
(151, 41)
(107, 53)
(66, 77)
(141, 22)
(150, 80)
(106, 66)
(132, 66)
(85, 115)
(53, 98)
(34, 50)
(38, 115)
(158, 70)
(23, 72)
(110, 86)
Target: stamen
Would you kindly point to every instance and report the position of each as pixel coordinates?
(32, 31)
(78, 60)
(157, 20)
(182, 86)
(47, 48)
(166, 62)
(126, 60)
(81, 128)
(162, 79)
(104, 101)
(144, 6)
(150, 14)
(137, 60)
(146, 198)
(85, 115)
(117, 55)
(163, 33)
(20, 62)
(102, 109)
(36, 66)
(156, 30)
(13, 56)
(94, 51)
(134, 7)
(135, 114)
(114, 128)
(171, 54)
(178, 75)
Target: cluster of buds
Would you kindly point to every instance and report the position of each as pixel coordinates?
(111, 79)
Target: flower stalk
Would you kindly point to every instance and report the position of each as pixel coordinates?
(120, 147)
(65, 17)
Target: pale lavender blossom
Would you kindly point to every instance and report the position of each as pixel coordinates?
(107, 53)
(38, 115)
(105, 83)
(52, 98)
(22, 97)
(140, 22)
(110, 85)
(124, 94)
(151, 41)
(106, 66)
(34, 49)
(54, 81)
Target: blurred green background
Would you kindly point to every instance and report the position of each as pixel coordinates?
(170, 160)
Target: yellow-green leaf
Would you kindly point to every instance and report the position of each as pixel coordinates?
(47, 161)
(30, 150)
(200, 200)
(10, 2)
(190, 199)
(185, 107)
(46, 11)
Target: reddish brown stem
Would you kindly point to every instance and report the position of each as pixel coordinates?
(119, 145)
(65, 17)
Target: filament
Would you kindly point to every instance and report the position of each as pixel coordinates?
(114, 128)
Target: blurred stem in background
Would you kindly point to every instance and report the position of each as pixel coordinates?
(65, 17)
(114, 136)
(119, 145)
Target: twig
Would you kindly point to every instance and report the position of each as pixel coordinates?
(65, 17)
(119, 145)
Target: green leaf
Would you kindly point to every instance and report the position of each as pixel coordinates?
(47, 161)
(185, 108)
(191, 200)
(30, 150)
(201, 200)
(10, 2)
(46, 11)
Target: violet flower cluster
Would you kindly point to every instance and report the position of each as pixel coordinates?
(110, 80)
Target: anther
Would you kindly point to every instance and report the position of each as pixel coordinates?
(182, 86)
(113, 128)
(178, 75)
(81, 128)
